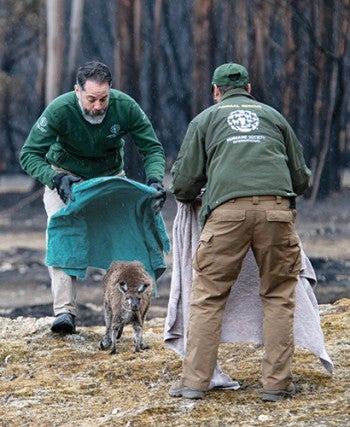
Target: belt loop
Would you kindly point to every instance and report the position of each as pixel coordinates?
(278, 200)
(255, 200)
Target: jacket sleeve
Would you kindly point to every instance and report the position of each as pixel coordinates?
(147, 143)
(299, 172)
(35, 148)
(189, 169)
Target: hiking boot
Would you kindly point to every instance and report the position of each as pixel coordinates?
(276, 395)
(65, 323)
(180, 390)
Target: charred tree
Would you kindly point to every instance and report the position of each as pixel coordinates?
(128, 51)
(55, 46)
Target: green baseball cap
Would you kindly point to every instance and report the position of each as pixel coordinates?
(230, 74)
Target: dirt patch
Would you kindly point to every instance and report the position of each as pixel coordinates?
(67, 381)
(53, 380)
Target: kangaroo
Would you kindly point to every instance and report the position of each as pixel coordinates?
(127, 296)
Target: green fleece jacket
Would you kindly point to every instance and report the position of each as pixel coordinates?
(236, 148)
(63, 138)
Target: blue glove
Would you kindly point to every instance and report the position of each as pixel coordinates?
(159, 196)
(63, 182)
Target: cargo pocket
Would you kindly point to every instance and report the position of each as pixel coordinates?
(228, 215)
(203, 257)
(219, 219)
(280, 216)
(295, 254)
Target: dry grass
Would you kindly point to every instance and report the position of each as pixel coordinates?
(50, 380)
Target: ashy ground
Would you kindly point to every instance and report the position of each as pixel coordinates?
(53, 380)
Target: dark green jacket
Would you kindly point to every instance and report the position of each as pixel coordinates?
(236, 148)
(63, 138)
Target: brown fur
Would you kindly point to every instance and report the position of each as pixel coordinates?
(127, 296)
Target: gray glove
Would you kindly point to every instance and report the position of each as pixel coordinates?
(159, 196)
(63, 182)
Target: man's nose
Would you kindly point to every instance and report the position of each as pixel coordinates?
(98, 105)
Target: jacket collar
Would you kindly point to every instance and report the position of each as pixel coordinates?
(236, 92)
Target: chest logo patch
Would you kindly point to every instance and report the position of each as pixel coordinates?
(243, 120)
(115, 129)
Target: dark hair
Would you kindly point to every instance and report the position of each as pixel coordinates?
(224, 89)
(93, 70)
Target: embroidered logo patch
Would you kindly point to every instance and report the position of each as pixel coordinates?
(42, 123)
(115, 129)
(243, 120)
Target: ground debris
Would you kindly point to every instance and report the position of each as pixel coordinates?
(68, 381)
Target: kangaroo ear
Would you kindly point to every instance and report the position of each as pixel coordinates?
(123, 287)
(142, 288)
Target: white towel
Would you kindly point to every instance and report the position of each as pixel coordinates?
(243, 314)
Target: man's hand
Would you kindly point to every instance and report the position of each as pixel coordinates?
(160, 195)
(63, 182)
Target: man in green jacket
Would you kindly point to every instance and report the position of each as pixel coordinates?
(245, 159)
(80, 136)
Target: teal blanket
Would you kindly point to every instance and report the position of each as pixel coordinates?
(111, 219)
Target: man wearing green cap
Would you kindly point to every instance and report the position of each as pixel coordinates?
(248, 163)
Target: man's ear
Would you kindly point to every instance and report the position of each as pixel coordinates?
(216, 93)
(249, 88)
(76, 90)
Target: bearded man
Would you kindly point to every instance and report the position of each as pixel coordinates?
(79, 136)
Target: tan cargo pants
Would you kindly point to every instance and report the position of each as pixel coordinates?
(266, 224)
(63, 286)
